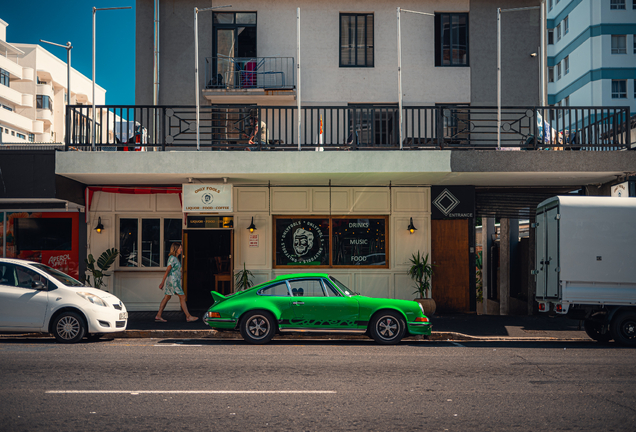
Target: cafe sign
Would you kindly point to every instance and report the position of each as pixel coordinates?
(203, 198)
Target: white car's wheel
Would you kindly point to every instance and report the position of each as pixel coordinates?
(69, 327)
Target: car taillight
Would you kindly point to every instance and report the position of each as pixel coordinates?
(542, 307)
(559, 308)
(421, 319)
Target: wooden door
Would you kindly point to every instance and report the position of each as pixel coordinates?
(450, 255)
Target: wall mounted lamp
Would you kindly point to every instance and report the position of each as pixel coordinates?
(99, 226)
(411, 227)
(252, 227)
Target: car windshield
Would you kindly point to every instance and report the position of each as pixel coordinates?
(59, 276)
(342, 286)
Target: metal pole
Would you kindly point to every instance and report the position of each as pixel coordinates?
(196, 73)
(93, 100)
(543, 53)
(298, 72)
(399, 56)
(68, 48)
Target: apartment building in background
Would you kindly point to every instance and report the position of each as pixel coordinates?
(592, 53)
(33, 93)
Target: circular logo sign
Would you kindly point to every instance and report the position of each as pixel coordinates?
(207, 198)
(302, 242)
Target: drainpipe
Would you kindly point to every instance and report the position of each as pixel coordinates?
(155, 71)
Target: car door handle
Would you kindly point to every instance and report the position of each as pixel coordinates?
(298, 303)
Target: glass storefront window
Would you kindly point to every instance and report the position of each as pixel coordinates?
(359, 242)
(302, 241)
(128, 230)
(171, 234)
(150, 242)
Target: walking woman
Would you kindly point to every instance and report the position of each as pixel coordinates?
(172, 282)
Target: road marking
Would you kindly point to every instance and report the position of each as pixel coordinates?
(458, 344)
(190, 391)
(177, 344)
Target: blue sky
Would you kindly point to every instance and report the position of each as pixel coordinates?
(61, 21)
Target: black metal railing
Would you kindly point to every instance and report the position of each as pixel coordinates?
(352, 127)
(231, 73)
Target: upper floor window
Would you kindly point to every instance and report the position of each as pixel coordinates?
(566, 65)
(4, 77)
(619, 89)
(551, 37)
(550, 74)
(617, 4)
(558, 66)
(635, 39)
(558, 32)
(451, 39)
(356, 40)
(566, 25)
(550, 4)
(619, 44)
(44, 102)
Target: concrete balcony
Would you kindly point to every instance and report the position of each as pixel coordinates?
(27, 74)
(44, 90)
(8, 94)
(45, 115)
(27, 100)
(17, 121)
(38, 126)
(14, 69)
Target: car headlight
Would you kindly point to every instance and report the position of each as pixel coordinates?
(92, 298)
(422, 307)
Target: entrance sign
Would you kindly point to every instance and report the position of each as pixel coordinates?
(452, 202)
(202, 198)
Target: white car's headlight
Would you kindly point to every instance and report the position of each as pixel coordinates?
(92, 298)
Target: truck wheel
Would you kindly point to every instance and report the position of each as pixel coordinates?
(594, 330)
(623, 328)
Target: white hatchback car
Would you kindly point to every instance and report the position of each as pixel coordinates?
(37, 298)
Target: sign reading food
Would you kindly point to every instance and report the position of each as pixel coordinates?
(202, 198)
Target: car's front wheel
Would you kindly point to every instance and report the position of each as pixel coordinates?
(387, 328)
(258, 327)
(69, 327)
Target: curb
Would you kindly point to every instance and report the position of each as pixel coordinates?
(213, 334)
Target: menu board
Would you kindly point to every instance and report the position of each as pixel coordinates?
(302, 241)
(359, 242)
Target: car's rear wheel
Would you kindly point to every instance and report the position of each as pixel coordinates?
(258, 327)
(69, 327)
(387, 327)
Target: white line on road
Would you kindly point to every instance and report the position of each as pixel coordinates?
(458, 344)
(190, 391)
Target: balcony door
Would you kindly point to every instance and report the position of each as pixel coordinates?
(234, 48)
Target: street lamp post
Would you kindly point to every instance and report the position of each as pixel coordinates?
(499, 11)
(68, 47)
(399, 50)
(93, 114)
(196, 63)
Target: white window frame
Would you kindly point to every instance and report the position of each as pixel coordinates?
(551, 74)
(617, 4)
(558, 66)
(618, 49)
(619, 94)
(566, 65)
(558, 32)
(566, 25)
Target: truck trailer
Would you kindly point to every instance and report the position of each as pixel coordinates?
(586, 263)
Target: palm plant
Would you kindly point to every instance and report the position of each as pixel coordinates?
(105, 260)
(243, 279)
(421, 272)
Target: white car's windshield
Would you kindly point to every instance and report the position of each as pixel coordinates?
(58, 275)
(342, 286)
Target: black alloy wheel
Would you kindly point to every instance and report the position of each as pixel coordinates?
(387, 327)
(623, 328)
(258, 327)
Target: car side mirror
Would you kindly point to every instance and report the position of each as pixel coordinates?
(38, 285)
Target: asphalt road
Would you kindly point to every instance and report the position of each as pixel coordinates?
(202, 384)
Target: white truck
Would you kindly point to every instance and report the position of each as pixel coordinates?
(586, 263)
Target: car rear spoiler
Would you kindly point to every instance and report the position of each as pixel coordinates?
(218, 297)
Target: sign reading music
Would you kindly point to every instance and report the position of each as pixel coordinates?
(201, 198)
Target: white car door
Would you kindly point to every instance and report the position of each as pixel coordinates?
(21, 305)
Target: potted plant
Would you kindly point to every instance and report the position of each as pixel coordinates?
(105, 260)
(243, 279)
(421, 271)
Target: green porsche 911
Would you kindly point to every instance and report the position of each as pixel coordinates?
(314, 302)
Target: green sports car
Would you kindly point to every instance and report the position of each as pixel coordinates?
(314, 302)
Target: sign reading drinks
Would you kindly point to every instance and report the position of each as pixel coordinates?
(204, 198)
(302, 241)
(359, 242)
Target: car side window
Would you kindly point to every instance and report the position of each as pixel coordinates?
(307, 288)
(331, 290)
(26, 277)
(7, 275)
(279, 289)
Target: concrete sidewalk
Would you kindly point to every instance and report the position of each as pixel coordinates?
(445, 327)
